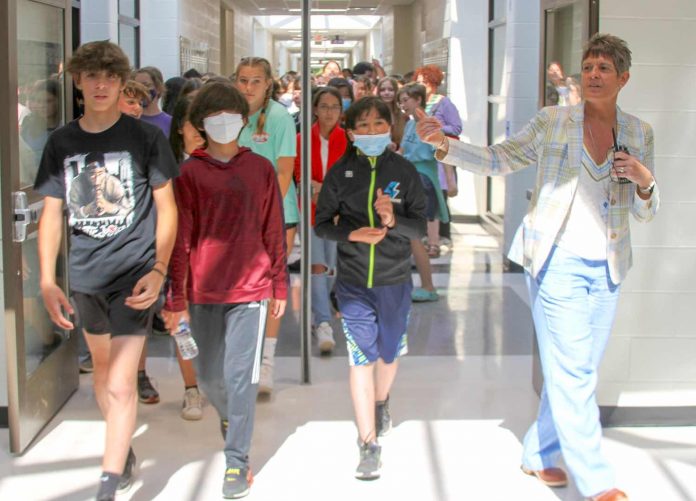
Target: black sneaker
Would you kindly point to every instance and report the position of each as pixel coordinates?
(334, 301)
(103, 496)
(146, 392)
(107, 487)
(236, 483)
(370, 463)
(294, 267)
(127, 477)
(383, 422)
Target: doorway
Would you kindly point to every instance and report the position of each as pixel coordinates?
(42, 359)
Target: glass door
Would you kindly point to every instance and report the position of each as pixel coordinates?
(42, 358)
(566, 26)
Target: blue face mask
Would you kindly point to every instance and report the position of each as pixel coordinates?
(372, 145)
(346, 102)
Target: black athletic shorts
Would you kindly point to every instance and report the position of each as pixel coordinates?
(108, 314)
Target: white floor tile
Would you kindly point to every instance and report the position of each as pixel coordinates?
(458, 426)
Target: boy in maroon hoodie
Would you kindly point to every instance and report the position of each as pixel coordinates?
(229, 265)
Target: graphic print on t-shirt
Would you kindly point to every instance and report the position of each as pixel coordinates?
(99, 192)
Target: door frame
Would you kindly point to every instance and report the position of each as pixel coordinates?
(35, 398)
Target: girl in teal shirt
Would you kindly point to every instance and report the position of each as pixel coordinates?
(270, 133)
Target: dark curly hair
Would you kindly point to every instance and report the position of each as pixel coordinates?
(99, 56)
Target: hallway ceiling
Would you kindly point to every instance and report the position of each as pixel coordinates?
(344, 7)
(324, 27)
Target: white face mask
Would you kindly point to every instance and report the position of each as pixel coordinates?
(223, 128)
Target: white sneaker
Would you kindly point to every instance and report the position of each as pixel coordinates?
(191, 409)
(325, 338)
(266, 376)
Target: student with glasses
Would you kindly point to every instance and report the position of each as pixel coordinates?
(328, 145)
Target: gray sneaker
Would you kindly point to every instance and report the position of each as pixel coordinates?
(86, 365)
(383, 422)
(370, 462)
(237, 483)
(147, 393)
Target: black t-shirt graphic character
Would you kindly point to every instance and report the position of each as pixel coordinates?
(106, 180)
(97, 193)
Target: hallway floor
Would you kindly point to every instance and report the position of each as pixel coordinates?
(461, 404)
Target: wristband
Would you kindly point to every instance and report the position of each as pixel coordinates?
(164, 275)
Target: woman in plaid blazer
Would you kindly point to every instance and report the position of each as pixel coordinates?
(577, 250)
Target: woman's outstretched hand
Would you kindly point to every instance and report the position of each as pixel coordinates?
(428, 128)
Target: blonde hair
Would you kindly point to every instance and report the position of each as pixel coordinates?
(398, 118)
(255, 62)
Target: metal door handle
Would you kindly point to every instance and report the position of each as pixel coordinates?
(24, 215)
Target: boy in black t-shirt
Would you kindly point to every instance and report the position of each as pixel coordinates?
(114, 175)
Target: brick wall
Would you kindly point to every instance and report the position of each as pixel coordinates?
(199, 21)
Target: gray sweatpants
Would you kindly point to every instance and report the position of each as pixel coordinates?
(230, 345)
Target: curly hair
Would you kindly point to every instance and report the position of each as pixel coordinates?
(431, 74)
(99, 56)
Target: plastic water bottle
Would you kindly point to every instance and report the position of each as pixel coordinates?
(184, 341)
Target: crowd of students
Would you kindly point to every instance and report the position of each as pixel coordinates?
(190, 212)
(206, 220)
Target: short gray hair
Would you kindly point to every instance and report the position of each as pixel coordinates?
(603, 44)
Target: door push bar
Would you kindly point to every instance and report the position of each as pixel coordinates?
(24, 215)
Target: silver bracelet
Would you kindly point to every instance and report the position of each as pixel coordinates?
(649, 189)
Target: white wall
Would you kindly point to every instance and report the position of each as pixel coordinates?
(159, 36)
(522, 70)
(650, 358)
(466, 23)
(376, 44)
(99, 20)
(282, 58)
(259, 46)
(358, 52)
